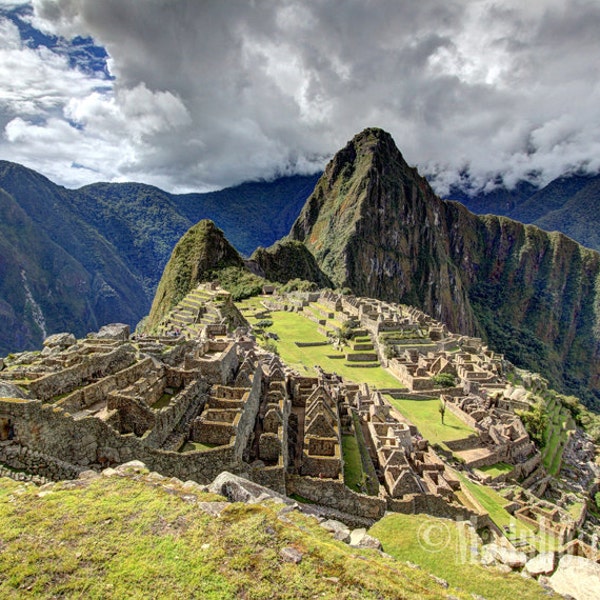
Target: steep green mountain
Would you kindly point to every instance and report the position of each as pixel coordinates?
(374, 225)
(141, 221)
(56, 263)
(198, 255)
(567, 204)
(35, 273)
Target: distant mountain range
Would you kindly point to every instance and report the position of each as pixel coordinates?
(77, 259)
(568, 204)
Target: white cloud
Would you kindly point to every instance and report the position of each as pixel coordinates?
(211, 93)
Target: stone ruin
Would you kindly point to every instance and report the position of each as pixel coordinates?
(197, 401)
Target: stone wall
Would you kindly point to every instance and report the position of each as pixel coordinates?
(462, 415)
(336, 495)
(95, 392)
(435, 506)
(23, 458)
(218, 369)
(168, 417)
(248, 419)
(89, 441)
(70, 378)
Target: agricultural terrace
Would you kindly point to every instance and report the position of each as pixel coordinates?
(558, 430)
(292, 327)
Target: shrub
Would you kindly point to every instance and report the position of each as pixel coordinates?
(444, 379)
(271, 346)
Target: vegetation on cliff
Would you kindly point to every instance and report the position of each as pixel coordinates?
(287, 260)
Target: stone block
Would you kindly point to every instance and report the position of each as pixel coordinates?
(542, 564)
(507, 556)
(577, 577)
(340, 531)
(60, 340)
(359, 538)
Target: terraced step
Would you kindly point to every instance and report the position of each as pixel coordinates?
(361, 357)
(361, 347)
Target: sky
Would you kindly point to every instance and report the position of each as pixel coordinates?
(194, 95)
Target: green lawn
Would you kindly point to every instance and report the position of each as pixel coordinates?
(426, 416)
(444, 548)
(496, 470)
(353, 471)
(292, 327)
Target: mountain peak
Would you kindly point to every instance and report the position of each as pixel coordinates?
(202, 250)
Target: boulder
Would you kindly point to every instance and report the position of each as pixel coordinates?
(238, 489)
(339, 530)
(507, 556)
(359, 538)
(113, 331)
(132, 467)
(542, 564)
(60, 340)
(10, 390)
(577, 577)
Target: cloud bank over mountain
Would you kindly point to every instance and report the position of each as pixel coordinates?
(194, 95)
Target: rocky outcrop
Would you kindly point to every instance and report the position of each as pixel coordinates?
(375, 226)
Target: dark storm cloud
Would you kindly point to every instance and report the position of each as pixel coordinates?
(212, 93)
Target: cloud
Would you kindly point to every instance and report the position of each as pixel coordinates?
(207, 94)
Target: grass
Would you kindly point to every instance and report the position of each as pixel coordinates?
(558, 430)
(494, 504)
(137, 538)
(445, 548)
(426, 417)
(196, 446)
(500, 468)
(291, 327)
(354, 475)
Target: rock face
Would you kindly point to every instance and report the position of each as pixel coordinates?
(287, 260)
(578, 577)
(198, 254)
(374, 225)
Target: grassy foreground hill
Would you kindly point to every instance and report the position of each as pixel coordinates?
(135, 534)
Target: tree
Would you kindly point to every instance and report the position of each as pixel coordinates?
(535, 420)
